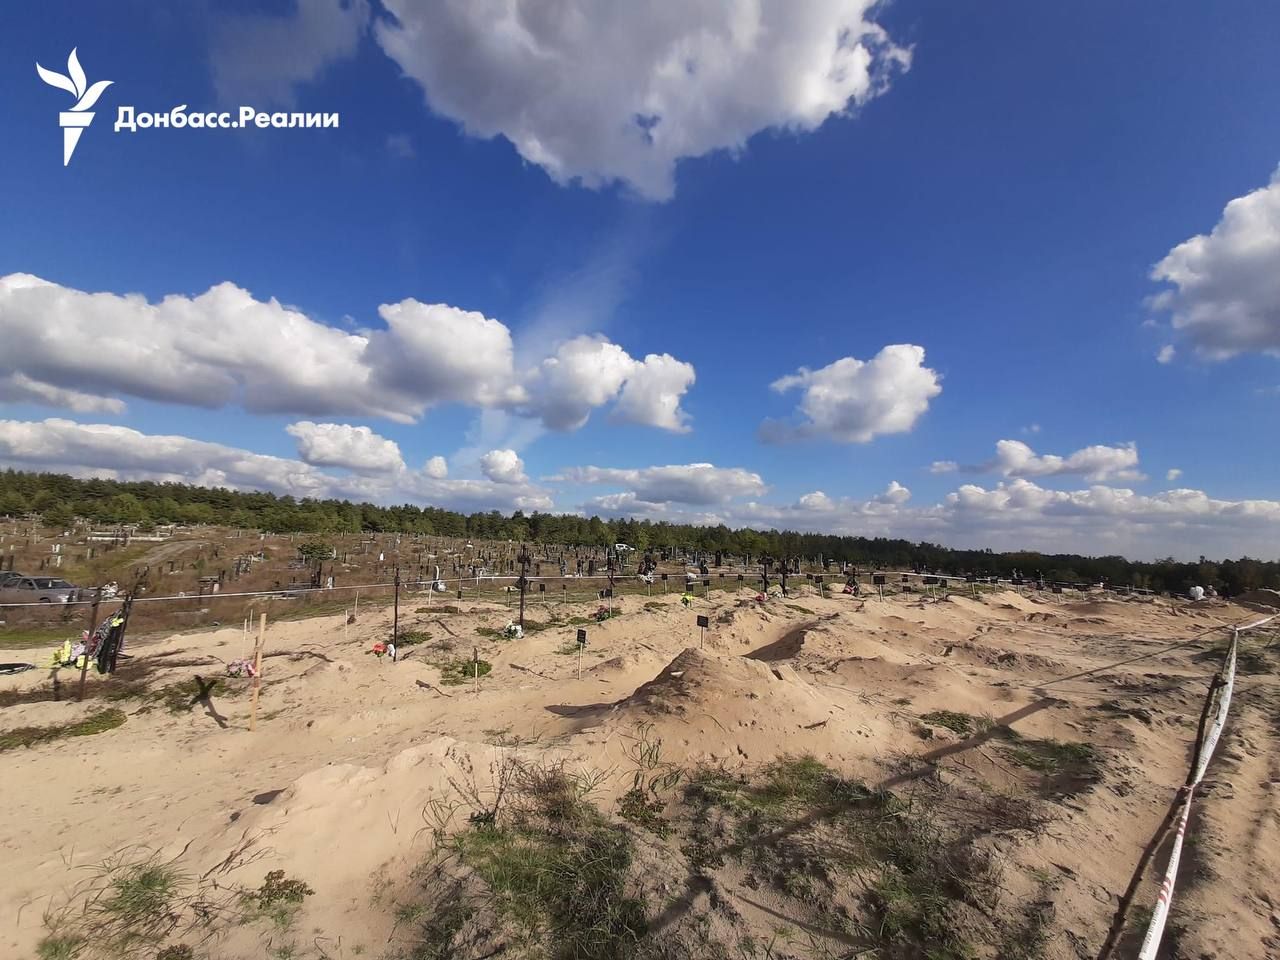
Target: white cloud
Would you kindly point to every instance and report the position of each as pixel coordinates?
(19, 388)
(852, 401)
(225, 347)
(1097, 463)
(1015, 514)
(585, 373)
(588, 372)
(652, 393)
(1014, 458)
(263, 58)
(437, 468)
(693, 483)
(1032, 429)
(1172, 474)
(1166, 354)
(436, 351)
(503, 466)
(621, 92)
(894, 493)
(1225, 294)
(342, 445)
(109, 450)
(1018, 515)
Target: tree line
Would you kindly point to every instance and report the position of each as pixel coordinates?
(59, 499)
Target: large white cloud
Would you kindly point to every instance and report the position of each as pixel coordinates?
(652, 393)
(1225, 294)
(342, 445)
(587, 372)
(224, 347)
(503, 466)
(854, 401)
(109, 450)
(691, 483)
(602, 92)
(1098, 463)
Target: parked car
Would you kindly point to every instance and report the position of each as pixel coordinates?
(38, 590)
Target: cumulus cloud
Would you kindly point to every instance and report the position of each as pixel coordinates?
(1172, 474)
(1225, 285)
(692, 483)
(263, 58)
(225, 347)
(87, 449)
(599, 93)
(585, 373)
(1166, 353)
(342, 445)
(894, 493)
(1098, 463)
(854, 401)
(1018, 514)
(19, 388)
(588, 372)
(436, 468)
(652, 392)
(503, 466)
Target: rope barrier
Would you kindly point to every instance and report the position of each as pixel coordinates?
(1204, 754)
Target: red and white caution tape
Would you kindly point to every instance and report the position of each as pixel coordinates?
(1160, 915)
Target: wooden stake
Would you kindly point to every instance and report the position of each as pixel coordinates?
(257, 671)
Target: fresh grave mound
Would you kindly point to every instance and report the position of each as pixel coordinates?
(343, 825)
(1262, 597)
(785, 647)
(731, 708)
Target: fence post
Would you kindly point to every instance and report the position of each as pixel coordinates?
(257, 672)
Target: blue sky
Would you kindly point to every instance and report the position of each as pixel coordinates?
(984, 189)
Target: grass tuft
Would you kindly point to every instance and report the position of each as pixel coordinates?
(455, 672)
(99, 722)
(960, 723)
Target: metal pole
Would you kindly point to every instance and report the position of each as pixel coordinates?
(395, 623)
(524, 570)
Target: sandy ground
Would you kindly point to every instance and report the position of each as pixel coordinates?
(350, 750)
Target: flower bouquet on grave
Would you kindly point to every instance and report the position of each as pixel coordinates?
(241, 668)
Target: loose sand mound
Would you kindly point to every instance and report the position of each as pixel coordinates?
(1263, 598)
(733, 708)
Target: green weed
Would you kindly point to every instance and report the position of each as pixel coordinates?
(99, 722)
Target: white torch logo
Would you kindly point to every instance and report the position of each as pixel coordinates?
(73, 121)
